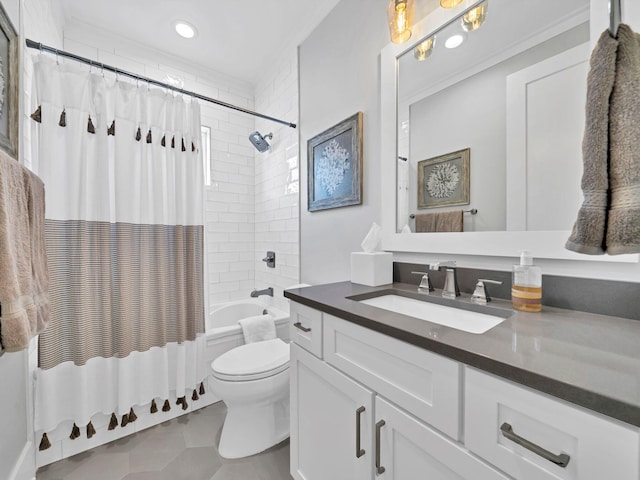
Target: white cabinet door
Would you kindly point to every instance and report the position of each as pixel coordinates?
(325, 408)
(408, 449)
(533, 436)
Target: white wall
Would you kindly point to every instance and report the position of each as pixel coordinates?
(277, 182)
(339, 76)
(339, 73)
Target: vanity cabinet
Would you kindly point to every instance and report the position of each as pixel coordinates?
(369, 406)
(334, 431)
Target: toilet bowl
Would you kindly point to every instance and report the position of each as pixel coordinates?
(253, 381)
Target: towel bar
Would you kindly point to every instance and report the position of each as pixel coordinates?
(473, 211)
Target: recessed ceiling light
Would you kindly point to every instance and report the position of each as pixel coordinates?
(454, 41)
(185, 29)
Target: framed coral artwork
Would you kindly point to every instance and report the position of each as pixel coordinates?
(444, 180)
(334, 162)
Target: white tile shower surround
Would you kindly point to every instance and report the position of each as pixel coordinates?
(182, 448)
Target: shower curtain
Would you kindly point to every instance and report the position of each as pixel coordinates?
(124, 231)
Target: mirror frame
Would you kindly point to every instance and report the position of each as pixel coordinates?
(543, 244)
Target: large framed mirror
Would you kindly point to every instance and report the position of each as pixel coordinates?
(511, 96)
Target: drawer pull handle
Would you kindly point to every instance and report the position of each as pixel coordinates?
(379, 468)
(299, 326)
(359, 451)
(561, 460)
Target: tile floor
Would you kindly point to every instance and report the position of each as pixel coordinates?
(182, 448)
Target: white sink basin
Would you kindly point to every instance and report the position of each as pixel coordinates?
(468, 321)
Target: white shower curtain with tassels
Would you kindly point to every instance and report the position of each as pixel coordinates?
(124, 190)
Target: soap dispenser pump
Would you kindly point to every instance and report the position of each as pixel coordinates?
(526, 287)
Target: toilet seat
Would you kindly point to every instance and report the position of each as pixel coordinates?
(252, 361)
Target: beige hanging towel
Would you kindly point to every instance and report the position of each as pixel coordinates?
(23, 263)
(450, 221)
(588, 234)
(623, 221)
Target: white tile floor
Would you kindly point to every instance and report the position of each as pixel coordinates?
(182, 448)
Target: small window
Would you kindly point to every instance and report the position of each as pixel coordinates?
(206, 154)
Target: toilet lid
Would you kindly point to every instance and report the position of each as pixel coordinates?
(252, 361)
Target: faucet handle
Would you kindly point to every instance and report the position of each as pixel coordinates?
(425, 283)
(441, 265)
(481, 294)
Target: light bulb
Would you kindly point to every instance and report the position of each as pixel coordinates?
(475, 18)
(400, 17)
(422, 51)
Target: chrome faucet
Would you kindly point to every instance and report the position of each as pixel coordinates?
(481, 294)
(425, 283)
(266, 291)
(450, 289)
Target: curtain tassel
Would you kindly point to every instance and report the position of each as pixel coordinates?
(201, 388)
(138, 135)
(63, 118)
(167, 406)
(114, 421)
(173, 142)
(75, 432)
(90, 430)
(90, 127)
(37, 116)
(44, 443)
(132, 416)
(125, 420)
(182, 401)
(163, 142)
(112, 129)
(154, 407)
(184, 149)
(195, 396)
(149, 136)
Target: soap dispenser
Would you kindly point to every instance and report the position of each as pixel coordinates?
(526, 287)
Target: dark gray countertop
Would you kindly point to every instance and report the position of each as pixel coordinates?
(587, 359)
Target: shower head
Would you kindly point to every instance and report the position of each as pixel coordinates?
(259, 141)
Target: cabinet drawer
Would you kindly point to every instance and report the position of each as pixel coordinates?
(306, 328)
(423, 383)
(593, 447)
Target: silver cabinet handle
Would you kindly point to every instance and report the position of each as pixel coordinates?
(359, 451)
(561, 460)
(379, 468)
(299, 326)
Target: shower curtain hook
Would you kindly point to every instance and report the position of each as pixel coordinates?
(57, 58)
(116, 70)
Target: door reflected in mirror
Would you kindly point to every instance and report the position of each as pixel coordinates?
(512, 93)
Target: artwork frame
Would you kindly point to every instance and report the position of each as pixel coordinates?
(443, 181)
(9, 78)
(334, 166)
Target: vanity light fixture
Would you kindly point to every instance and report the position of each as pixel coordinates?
(185, 29)
(454, 41)
(475, 18)
(450, 3)
(400, 15)
(422, 51)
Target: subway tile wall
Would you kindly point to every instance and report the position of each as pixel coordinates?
(277, 179)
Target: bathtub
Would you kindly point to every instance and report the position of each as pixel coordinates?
(224, 333)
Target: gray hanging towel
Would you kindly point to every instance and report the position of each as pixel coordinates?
(623, 221)
(589, 230)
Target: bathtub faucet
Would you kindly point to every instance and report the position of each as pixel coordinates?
(266, 291)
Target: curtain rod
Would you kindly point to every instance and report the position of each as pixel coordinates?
(117, 71)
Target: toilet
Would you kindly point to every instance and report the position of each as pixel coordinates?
(253, 381)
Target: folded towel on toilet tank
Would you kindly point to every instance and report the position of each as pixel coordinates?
(258, 328)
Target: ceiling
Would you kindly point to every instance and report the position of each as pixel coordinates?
(238, 38)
